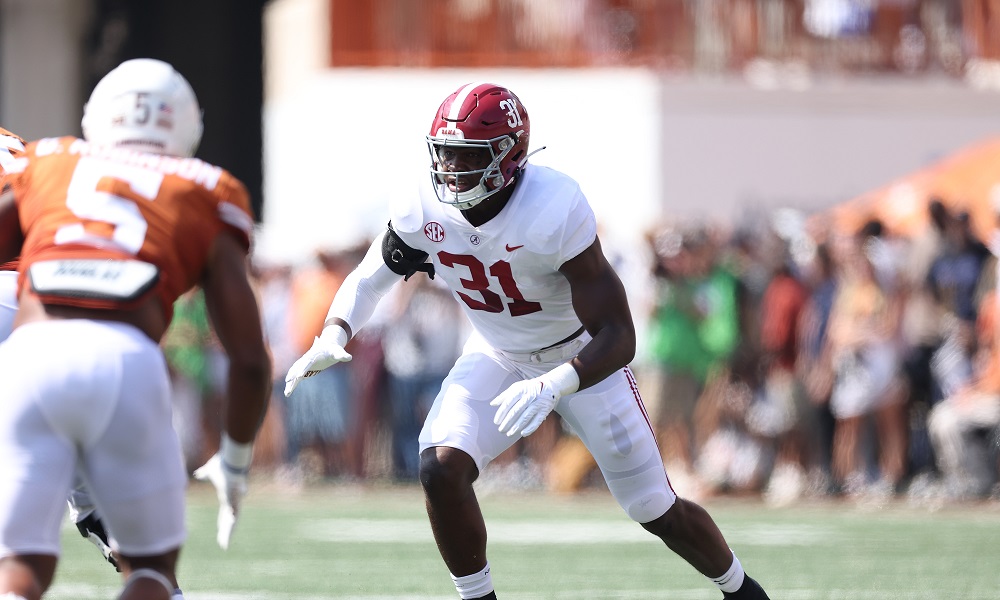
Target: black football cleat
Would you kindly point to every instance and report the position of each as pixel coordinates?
(92, 528)
(750, 590)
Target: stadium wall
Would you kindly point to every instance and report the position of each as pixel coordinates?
(645, 147)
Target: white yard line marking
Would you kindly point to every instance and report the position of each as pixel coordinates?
(409, 531)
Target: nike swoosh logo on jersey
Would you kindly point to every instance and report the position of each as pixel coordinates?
(512, 248)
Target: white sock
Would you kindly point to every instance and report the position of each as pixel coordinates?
(150, 574)
(475, 585)
(11, 596)
(178, 595)
(732, 579)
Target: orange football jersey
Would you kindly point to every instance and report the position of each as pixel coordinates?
(78, 201)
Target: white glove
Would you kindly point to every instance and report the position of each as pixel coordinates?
(524, 405)
(230, 486)
(326, 350)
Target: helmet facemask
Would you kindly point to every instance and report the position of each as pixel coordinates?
(490, 178)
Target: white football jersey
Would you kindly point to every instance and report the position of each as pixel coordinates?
(505, 273)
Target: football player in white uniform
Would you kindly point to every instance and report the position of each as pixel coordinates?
(81, 507)
(552, 330)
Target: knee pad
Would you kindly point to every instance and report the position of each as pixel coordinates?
(647, 507)
(644, 497)
(150, 574)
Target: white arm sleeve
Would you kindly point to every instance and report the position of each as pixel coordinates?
(363, 288)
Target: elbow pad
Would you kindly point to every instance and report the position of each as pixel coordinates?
(402, 259)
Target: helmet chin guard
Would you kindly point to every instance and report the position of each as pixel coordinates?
(481, 115)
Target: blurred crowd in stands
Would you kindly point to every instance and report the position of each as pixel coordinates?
(853, 363)
(774, 43)
(778, 360)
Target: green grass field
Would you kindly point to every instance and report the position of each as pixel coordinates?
(373, 542)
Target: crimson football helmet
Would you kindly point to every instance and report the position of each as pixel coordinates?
(482, 115)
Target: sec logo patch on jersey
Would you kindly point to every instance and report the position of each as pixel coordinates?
(434, 232)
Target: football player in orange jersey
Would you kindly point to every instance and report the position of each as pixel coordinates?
(81, 507)
(110, 231)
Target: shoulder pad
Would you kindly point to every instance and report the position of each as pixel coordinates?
(554, 214)
(406, 212)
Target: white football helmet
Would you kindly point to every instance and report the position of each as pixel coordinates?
(146, 105)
